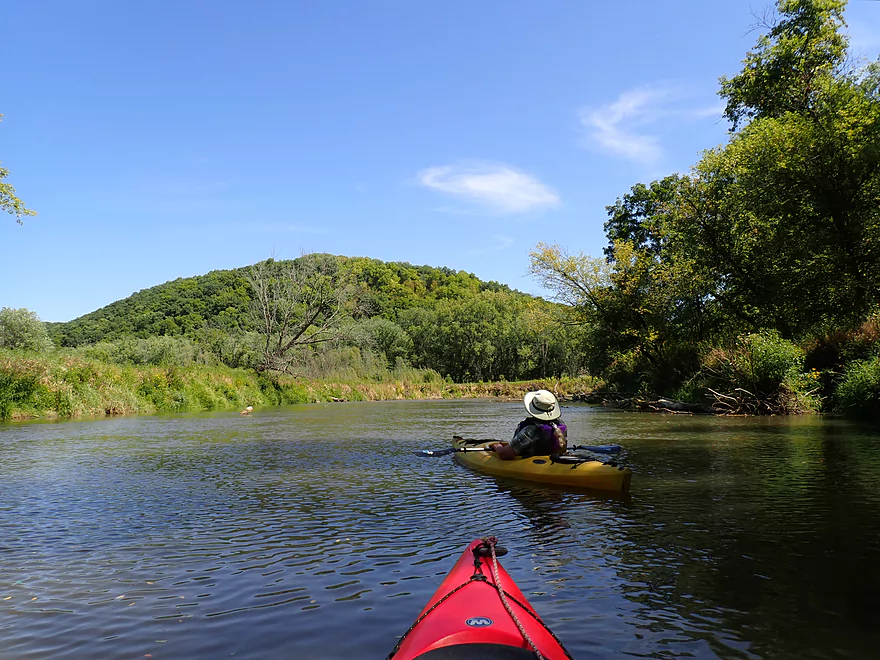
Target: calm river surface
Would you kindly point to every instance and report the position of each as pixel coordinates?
(314, 532)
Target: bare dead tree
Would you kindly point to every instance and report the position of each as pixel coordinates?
(299, 303)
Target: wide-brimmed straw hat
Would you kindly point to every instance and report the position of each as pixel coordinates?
(542, 405)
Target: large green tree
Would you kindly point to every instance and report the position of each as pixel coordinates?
(645, 313)
(787, 213)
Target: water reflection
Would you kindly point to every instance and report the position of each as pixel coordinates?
(186, 536)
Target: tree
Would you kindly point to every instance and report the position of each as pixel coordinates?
(576, 280)
(22, 329)
(791, 65)
(640, 216)
(786, 214)
(646, 312)
(299, 303)
(787, 218)
(778, 229)
(392, 341)
(8, 200)
(422, 326)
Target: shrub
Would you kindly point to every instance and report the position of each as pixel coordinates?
(15, 390)
(858, 394)
(155, 351)
(760, 373)
(23, 330)
(831, 351)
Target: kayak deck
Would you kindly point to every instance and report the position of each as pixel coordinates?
(467, 619)
(593, 475)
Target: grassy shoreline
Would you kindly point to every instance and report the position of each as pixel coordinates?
(40, 386)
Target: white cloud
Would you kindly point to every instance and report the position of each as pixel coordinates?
(613, 127)
(622, 127)
(500, 188)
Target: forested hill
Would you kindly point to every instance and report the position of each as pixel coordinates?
(221, 299)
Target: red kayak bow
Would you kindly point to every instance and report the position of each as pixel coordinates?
(478, 612)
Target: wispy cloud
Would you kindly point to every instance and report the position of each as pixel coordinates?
(614, 127)
(499, 188)
(623, 128)
(500, 244)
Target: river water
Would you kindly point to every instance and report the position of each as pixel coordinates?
(313, 532)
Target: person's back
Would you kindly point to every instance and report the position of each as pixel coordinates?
(542, 433)
(535, 437)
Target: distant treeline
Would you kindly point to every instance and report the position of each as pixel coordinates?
(398, 316)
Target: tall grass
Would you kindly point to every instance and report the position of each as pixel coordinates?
(858, 394)
(70, 384)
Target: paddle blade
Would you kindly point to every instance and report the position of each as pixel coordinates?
(600, 449)
(434, 452)
(446, 452)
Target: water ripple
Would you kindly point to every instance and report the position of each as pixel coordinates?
(200, 535)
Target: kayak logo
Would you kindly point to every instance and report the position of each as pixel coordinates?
(479, 622)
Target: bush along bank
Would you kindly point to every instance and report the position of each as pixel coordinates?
(46, 385)
(764, 374)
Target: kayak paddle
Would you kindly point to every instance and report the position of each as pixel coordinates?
(599, 449)
(596, 449)
(446, 452)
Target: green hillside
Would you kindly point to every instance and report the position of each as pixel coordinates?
(398, 316)
(222, 299)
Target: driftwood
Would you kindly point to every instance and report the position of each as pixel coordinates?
(738, 401)
(665, 405)
(742, 402)
(643, 402)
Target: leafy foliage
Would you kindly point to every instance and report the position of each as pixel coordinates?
(23, 329)
(156, 351)
(859, 392)
(787, 70)
(9, 202)
(221, 299)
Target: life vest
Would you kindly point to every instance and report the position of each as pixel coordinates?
(554, 435)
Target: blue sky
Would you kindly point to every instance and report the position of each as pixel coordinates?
(168, 139)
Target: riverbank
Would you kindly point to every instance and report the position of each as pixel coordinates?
(50, 386)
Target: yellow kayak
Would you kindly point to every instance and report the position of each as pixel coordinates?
(586, 474)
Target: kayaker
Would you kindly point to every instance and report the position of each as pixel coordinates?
(542, 433)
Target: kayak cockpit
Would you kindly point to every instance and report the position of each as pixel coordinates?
(480, 651)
